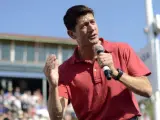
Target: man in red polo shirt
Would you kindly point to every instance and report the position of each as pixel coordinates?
(81, 80)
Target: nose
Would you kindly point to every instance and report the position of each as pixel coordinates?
(90, 27)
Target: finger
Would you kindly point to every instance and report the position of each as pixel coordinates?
(101, 54)
(53, 64)
(50, 62)
(106, 57)
(52, 56)
(105, 54)
(100, 62)
(101, 59)
(49, 65)
(56, 64)
(50, 59)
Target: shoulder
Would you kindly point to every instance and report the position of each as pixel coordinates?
(118, 46)
(65, 65)
(120, 49)
(64, 71)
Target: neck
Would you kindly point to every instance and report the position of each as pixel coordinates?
(86, 53)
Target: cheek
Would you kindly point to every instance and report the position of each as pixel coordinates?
(96, 28)
(83, 34)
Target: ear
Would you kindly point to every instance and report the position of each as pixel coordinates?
(71, 34)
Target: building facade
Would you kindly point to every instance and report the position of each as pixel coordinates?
(22, 59)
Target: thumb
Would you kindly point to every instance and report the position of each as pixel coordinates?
(56, 64)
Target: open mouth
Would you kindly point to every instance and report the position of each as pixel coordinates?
(93, 36)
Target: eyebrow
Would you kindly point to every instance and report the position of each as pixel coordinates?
(84, 21)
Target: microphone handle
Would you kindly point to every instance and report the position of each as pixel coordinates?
(107, 72)
(106, 69)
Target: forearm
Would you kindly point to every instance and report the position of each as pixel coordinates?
(55, 108)
(139, 85)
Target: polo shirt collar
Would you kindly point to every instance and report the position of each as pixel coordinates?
(107, 47)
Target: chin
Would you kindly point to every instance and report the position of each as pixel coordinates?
(94, 41)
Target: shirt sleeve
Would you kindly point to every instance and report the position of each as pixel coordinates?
(62, 89)
(135, 65)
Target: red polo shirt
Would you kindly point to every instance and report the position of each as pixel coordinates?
(92, 96)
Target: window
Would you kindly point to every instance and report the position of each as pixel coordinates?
(30, 52)
(19, 51)
(53, 50)
(5, 50)
(42, 53)
(67, 52)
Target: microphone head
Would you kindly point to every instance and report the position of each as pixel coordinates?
(98, 48)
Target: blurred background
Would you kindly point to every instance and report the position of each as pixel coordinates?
(31, 30)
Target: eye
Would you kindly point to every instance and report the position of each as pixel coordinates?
(84, 25)
(92, 21)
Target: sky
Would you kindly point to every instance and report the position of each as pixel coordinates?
(118, 20)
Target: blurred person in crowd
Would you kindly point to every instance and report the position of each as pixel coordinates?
(1, 102)
(17, 92)
(7, 115)
(6, 119)
(145, 116)
(26, 100)
(8, 99)
(22, 106)
(37, 98)
(17, 102)
(81, 79)
(67, 116)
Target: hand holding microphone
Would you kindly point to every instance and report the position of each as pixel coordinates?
(105, 60)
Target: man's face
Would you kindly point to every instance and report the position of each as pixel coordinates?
(86, 31)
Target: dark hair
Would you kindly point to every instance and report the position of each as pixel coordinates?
(73, 13)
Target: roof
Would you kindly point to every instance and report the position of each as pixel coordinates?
(31, 38)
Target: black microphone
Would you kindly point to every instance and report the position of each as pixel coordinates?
(99, 49)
